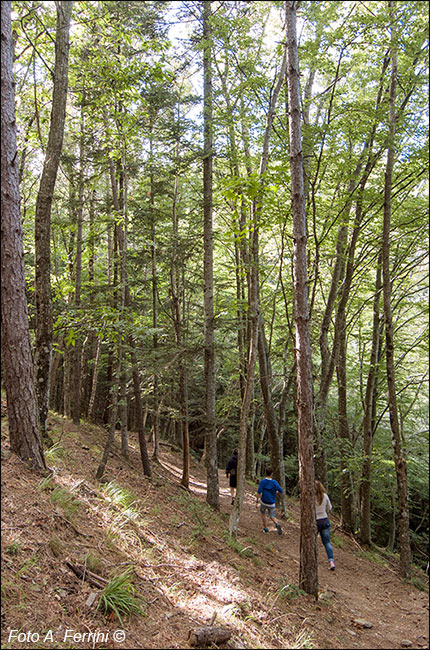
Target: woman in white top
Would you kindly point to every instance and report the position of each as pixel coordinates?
(322, 508)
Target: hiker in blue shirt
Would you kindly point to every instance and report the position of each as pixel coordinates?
(268, 488)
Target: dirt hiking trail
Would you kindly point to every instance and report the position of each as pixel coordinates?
(186, 570)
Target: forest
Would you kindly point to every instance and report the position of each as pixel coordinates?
(215, 234)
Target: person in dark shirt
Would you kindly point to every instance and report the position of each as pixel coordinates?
(266, 498)
(231, 473)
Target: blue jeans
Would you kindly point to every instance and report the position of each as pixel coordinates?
(324, 531)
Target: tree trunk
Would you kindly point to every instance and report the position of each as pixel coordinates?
(176, 292)
(212, 495)
(253, 306)
(94, 380)
(346, 488)
(308, 575)
(275, 440)
(43, 212)
(18, 367)
(369, 404)
(398, 451)
(77, 351)
(140, 418)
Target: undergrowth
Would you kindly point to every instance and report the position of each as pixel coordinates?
(119, 597)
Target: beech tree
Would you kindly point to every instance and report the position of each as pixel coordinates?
(399, 456)
(308, 574)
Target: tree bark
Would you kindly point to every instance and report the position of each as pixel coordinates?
(253, 306)
(369, 405)
(43, 212)
(211, 460)
(77, 351)
(200, 637)
(18, 367)
(398, 451)
(308, 575)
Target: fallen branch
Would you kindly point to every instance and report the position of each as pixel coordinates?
(202, 636)
(83, 573)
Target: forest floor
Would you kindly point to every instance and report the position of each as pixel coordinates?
(186, 570)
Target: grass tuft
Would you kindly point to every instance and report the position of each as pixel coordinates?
(119, 597)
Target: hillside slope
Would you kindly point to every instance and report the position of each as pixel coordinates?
(186, 571)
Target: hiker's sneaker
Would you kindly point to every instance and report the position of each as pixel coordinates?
(331, 565)
(279, 529)
(232, 502)
(265, 530)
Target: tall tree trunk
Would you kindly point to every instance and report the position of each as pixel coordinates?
(43, 211)
(18, 367)
(369, 404)
(346, 488)
(122, 242)
(77, 351)
(212, 495)
(121, 250)
(398, 451)
(308, 575)
(140, 417)
(175, 292)
(249, 391)
(253, 306)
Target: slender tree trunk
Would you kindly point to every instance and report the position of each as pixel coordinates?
(369, 404)
(54, 373)
(92, 399)
(308, 575)
(113, 410)
(275, 440)
(398, 451)
(212, 495)
(249, 391)
(43, 212)
(77, 350)
(123, 245)
(253, 306)
(18, 367)
(177, 322)
(140, 416)
(346, 488)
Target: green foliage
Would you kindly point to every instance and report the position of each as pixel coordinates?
(373, 556)
(288, 591)
(119, 597)
(66, 500)
(240, 549)
(419, 583)
(337, 541)
(13, 547)
(119, 495)
(54, 453)
(130, 92)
